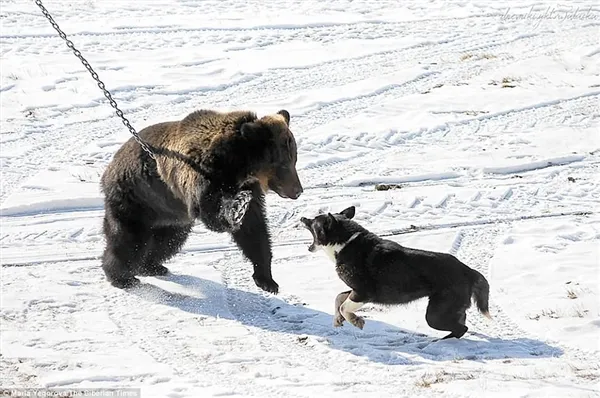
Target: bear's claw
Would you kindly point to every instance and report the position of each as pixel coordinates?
(266, 284)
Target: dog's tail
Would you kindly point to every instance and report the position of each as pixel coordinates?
(481, 292)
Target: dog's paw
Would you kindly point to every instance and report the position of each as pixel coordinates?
(338, 321)
(239, 207)
(358, 321)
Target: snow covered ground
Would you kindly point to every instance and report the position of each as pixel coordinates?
(484, 114)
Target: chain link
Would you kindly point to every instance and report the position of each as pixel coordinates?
(85, 63)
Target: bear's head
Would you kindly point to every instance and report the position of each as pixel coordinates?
(276, 163)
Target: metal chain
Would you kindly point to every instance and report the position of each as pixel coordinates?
(85, 63)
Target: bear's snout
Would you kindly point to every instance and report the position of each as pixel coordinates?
(295, 192)
(287, 184)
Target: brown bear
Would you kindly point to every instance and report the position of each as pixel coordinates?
(212, 166)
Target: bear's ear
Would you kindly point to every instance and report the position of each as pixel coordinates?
(251, 130)
(348, 212)
(286, 116)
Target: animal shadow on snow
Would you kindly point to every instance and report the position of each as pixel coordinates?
(378, 341)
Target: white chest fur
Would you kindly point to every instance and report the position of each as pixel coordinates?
(332, 250)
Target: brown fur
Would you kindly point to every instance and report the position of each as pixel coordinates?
(206, 165)
(263, 179)
(193, 138)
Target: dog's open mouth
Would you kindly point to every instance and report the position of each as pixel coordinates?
(313, 246)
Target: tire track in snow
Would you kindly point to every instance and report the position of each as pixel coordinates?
(255, 89)
(378, 144)
(550, 110)
(476, 250)
(172, 344)
(288, 335)
(166, 347)
(277, 30)
(292, 79)
(301, 335)
(249, 89)
(299, 30)
(450, 73)
(218, 247)
(230, 40)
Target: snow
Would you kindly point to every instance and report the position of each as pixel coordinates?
(557, 309)
(483, 116)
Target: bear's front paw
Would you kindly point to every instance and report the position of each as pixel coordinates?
(238, 209)
(266, 284)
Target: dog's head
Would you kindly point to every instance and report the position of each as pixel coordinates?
(329, 229)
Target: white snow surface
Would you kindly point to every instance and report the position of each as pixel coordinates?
(485, 114)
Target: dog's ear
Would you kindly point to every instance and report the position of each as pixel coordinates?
(349, 212)
(331, 219)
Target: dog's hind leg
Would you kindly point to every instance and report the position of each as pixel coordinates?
(448, 313)
(460, 329)
(338, 318)
(352, 303)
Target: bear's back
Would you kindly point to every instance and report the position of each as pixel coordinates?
(201, 129)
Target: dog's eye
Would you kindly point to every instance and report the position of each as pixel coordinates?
(320, 235)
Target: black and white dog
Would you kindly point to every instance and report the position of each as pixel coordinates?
(381, 271)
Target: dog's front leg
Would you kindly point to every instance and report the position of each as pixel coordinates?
(352, 303)
(338, 318)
